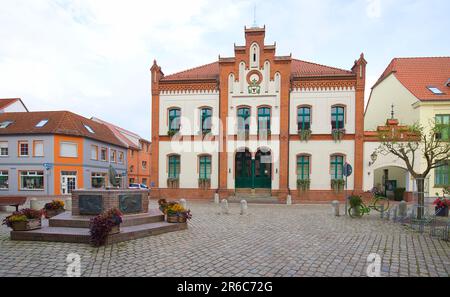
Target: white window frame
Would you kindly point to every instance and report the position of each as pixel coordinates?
(121, 158)
(93, 146)
(7, 148)
(7, 176)
(34, 148)
(20, 149)
(29, 173)
(68, 143)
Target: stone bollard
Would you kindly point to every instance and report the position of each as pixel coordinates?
(183, 203)
(244, 207)
(216, 199)
(68, 203)
(335, 205)
(34, 204)
(289, 200)
(382, 211)
(395, 214)
(224, 206)
(403, 209)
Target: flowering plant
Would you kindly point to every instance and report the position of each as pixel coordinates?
(22, 216)
(442, 202)
(101, 225)
(54, 205)
(174, 209)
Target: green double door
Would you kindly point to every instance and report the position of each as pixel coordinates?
(253, 173)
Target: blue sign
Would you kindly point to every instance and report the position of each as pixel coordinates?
(48, 166)
(348, 170)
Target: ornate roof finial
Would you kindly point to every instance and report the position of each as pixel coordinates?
(255, 25)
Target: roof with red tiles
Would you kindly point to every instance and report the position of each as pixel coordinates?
(59, 122)
(300, 69)
(8, 101)
(130, 139)
(418, 74)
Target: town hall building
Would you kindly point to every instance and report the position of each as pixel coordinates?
(257, 122)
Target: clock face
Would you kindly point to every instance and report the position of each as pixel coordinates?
(254, 77)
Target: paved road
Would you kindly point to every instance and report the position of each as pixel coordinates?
(273, 240)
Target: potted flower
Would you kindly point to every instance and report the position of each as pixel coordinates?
(174, 211)
(172, 133)
(441, 206)
(337, 185)
(355, 205)
(24, 220)
(304, 134)
(303, 184)
(338, 134)
(204, 183)
(103, 225)
(54, 208)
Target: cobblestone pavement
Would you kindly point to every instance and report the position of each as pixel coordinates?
(273, 240)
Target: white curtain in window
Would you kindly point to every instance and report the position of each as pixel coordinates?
(69, 150)
(39, 149)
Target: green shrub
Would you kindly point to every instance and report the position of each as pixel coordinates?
(355, 201)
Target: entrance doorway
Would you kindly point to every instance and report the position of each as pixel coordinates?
(253, 173)
(68, 182)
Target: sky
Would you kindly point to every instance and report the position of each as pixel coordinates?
(93, 57)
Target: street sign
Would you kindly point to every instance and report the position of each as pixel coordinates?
(348, 170)
(48, 166)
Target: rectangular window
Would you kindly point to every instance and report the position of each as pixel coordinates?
(263, 119)
(104, 154)
(144, 181)
(121, 158)
(174, 119)
(38, 148)
(243, 124)
(98, 180)
(32, 180)
(174, 167)
(441, 174)
(205, 121)
(337, 167)
(303, 166)
(443, 126)
(94, 152)
(68, 150)
(304, 118)
(144, 164)
(113, 156)
(338, 117)
(4, 149)
(23, 149)
(4, 185)
(205, 167)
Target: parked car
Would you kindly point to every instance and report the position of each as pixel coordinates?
(138, 186)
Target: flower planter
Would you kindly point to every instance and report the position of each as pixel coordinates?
(172, 219)
(304, 135)
(27, 225)
(356, 211)
(182, 219)
(114, 230)
(53, 213)
(204, 184)
(442, 212)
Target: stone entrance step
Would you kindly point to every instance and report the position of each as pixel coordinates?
(81, 235)
(67, 220)
(254, 199)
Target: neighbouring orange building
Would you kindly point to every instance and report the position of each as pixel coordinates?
(138, 153)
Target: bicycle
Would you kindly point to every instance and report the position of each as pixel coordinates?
(378, 203)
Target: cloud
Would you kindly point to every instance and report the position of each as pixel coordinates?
(373, 9)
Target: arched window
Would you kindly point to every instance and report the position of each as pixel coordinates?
(304, 118)
(205, 167)
(131, 168)
(254, 56)
(174, 119)
(303, 167)
(205, 120)
(243, 115)
(337, 117)
(174, 167)
(263, 119)
(337, 167)
(277, 82)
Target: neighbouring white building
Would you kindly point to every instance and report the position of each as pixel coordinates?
(415, 90)
(12, 105)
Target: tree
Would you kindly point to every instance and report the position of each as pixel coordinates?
(414, 144)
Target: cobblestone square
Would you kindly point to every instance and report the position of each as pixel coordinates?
(272, 240)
